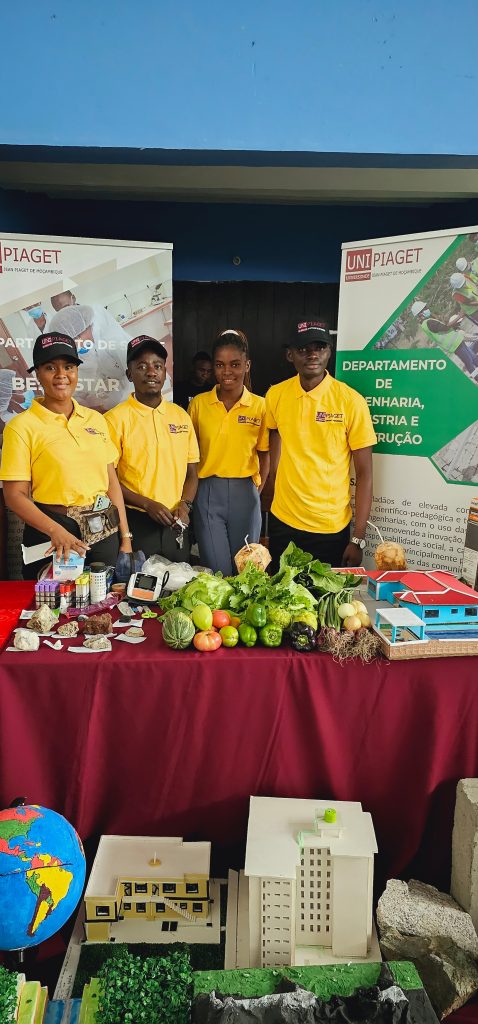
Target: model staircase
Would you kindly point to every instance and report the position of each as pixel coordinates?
(175, 906)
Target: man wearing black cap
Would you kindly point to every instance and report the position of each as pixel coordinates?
(318, 424)
(157, 455)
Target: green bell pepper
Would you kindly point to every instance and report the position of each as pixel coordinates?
(270, 636)
(256, 615)
(247, 634)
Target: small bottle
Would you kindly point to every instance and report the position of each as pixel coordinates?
(97, 582)
(63, 600)
(37, 595)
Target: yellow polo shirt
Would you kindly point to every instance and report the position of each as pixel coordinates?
(229, 441)
(319, 430)
(66, 461)
(154, 447)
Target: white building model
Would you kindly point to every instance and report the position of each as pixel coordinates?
(310, 870)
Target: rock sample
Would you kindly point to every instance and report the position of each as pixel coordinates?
(97, 643)
(417, 922)
(25, 640)
(464, 869)
(43, 619)
(68, 629)
(97, 624)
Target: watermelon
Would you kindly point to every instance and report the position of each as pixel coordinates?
(178, 629)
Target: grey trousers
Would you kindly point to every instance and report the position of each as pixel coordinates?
(225, 512)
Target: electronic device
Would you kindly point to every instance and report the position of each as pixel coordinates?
(146, 588)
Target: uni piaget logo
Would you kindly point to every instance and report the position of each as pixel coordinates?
(358, 265)
(329, 417)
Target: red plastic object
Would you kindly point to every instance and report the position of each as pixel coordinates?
(14, 596)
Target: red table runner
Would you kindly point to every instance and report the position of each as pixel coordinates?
(147, 740)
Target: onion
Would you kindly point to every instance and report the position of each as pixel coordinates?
(359, 607)
(345, 610)
(352, 622)
(365, 618)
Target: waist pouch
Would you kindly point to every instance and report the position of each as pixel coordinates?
(94, 526)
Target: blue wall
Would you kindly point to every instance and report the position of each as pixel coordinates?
(275, 243)
(384, 76)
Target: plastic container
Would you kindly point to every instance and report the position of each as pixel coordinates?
(98, 588)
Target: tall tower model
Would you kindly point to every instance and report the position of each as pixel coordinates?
(310, 870)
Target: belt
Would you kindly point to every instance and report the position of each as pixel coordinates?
(62, 510)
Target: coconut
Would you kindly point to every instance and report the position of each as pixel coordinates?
(390, 555)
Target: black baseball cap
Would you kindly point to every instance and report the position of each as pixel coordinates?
(142, 342)
(306, 331)
(54, 346)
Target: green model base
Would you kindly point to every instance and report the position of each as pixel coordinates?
(89, 1003)
(324, 982)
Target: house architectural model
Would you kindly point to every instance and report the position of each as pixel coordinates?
(142, 878)
(310, 869)
(434, 599)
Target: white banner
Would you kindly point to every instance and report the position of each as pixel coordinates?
(408, 341)
(101, 292)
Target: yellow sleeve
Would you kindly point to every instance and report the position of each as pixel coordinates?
(115, 432)
(263, 438)
(360, 430)
(193, 447)
(16, 456)
(270, 417)
(193, 413)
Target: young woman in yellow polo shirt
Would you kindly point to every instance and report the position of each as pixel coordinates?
(57, 458)
(234, 456)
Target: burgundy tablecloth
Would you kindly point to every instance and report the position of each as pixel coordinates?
(146, 740)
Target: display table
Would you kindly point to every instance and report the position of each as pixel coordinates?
(147, 740)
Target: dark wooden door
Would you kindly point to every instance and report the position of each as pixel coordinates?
(265, 310)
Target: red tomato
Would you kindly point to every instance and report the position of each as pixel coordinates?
(207, 640)
(220, 619)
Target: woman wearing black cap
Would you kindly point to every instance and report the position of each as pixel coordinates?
(57, 459)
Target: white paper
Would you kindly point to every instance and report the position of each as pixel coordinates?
(86, 650)
(130, 639)
(57, 646)
(35, 552)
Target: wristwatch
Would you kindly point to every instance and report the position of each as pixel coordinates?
(188, 504)
(128, 534)
(358, 541)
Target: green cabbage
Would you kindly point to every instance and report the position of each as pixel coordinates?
(203, 589)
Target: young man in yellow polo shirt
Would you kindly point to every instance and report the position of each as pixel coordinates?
(319, 425)
(157, 455)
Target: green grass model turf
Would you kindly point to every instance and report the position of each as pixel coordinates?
(324, 982)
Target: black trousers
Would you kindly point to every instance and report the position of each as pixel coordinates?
(328, 547)
(104, 551)
(153, 539)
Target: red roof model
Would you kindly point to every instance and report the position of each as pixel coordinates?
(388, 575)
(435, 587)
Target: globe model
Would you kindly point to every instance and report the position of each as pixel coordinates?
(42, 871)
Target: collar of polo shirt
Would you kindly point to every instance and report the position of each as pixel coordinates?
(146, 410)
(39, 408)
(245, 398)
(314, 393)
